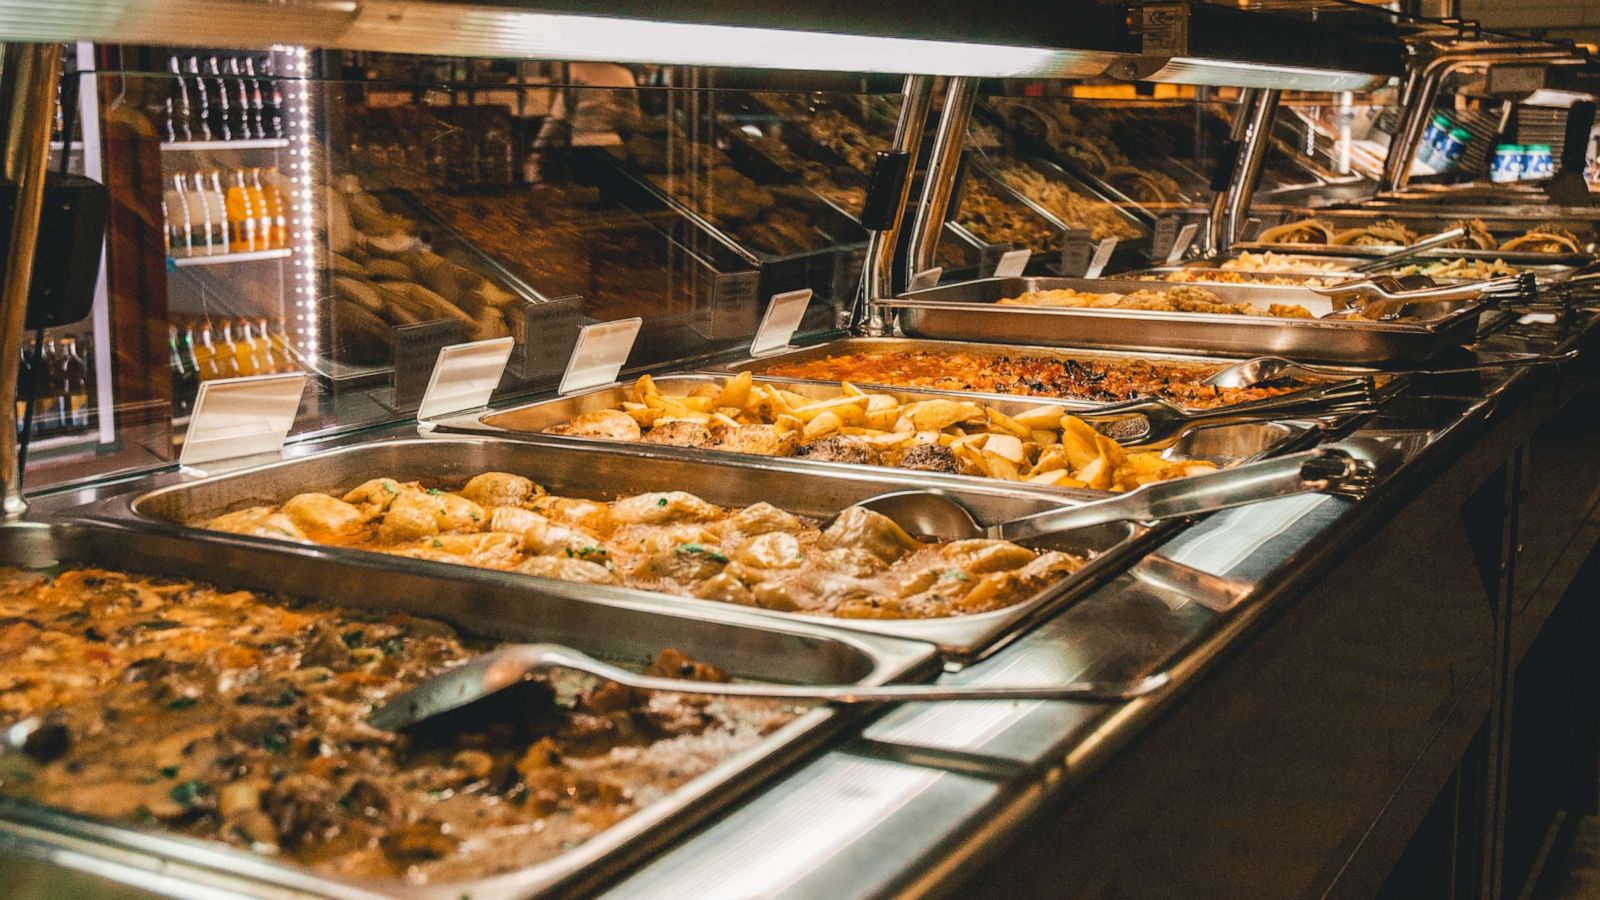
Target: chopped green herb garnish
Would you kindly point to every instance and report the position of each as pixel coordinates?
(169, 771)
(190, 792)
(275, 741)
(182, 703)
(435, 491)
(392, 646)
(389, 488)
(662, 502)
(697, 550)
(954, 575)
(437, 543)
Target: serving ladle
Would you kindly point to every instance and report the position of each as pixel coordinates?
(506, 667)
(921, 512)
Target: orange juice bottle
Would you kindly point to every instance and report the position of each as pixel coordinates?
(242, 219)
(258, 206)
(277, 207)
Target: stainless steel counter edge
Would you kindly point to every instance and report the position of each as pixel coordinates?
(922, 829)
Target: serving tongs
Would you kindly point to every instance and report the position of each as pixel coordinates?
(1379, 297)
(1412, 249)
(1154, 423)
(935, 514)
(1260, 369)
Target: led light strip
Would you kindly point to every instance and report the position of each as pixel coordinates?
(303, 214)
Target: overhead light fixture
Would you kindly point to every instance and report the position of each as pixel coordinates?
(456, 29)
(1231, 73)
(467, 29)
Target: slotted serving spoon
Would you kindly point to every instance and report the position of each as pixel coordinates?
(1163, 422)
(933, 513)
(499, 669)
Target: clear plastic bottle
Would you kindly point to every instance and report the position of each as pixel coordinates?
(237, 340)
(206, 354)
(270, 359)
(259, 209)
(210, 189)
(241, 101)
(180, 232)
(202, 108)
(74, 386)
(202, 229)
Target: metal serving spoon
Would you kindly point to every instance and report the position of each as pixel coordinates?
(1254, 371)
(503, 668)
(936, 514)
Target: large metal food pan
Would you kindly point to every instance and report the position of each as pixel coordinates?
(968, 311)
(597, 470)
(864, 345)
(615, 628)
(1510, 257)
(1225, 444)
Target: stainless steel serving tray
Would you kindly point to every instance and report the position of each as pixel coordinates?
(1343, 251)
(851, 345)
(44, 841)
(1222, 444)
(602, 470)
(1542, 271)
(968, 311)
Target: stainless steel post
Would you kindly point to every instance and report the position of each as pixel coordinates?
(1419, 97)
(878, 270)
(1215, 242)
(1231, 206)
(944, 161)
(31, 72)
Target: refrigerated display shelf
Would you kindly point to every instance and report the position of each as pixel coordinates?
(220, 259)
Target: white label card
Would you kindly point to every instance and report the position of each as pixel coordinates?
(600, 353)
(925, 279)
(464, 377)
(1181, 245)
(1102, 255)
(236, 417)
(1011, 263)
(781, 321)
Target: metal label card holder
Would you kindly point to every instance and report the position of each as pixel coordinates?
(235, 417)
(927, 278)
(1012, 263)
(1102, 256)
(780, 321)
(599, 355)
(1180, 246)
(464, 377)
